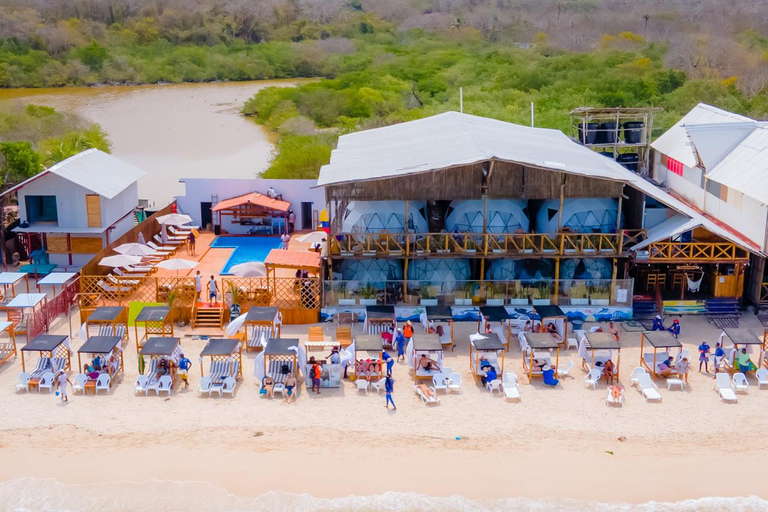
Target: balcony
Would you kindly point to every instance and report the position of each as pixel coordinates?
(693, 252)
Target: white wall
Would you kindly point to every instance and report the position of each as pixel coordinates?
(200, 190)
(741, 213)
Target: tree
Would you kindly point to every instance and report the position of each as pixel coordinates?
(20, 162)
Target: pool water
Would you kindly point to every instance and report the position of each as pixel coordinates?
(246, 248)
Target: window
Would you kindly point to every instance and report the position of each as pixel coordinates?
(93, 209)
(41, 209)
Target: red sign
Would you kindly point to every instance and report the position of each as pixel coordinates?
(675, 166)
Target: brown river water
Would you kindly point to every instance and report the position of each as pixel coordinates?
(170, 131)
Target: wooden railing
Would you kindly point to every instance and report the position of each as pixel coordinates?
(763, 292)
(694, 252)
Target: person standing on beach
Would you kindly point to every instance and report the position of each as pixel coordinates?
(198, 284)
(389, 360)
(61, 384)
(184, 365)
(704, 356)
(400, 342)
(285, 238)
(388, 389)
(191, 244)
(212, 291)
(291, 221)
(408, 331)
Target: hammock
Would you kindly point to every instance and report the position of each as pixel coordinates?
(694, 286)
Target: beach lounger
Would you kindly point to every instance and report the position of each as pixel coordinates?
(439, 382)
(123, 282)
(379, 385)
(259, 337)
(46, 382)
(129, 277)
(427, 399)
(274, 372)
(740, 382)
(141, 385)
(362, 385)
(113, 290)
(316, 334)
(509, 384)
(204, 386)
(633, 378)
(648, 388)
(79, 383)
(610, 400)
(162, 249)
(43, 365)
(228, 388)
(762, 377)
(344, 335)
(22, 382)
(58, 363)
(179, 231)
(454, 382)
(494, 385)
(106, 330)
(724, 388)
(592, 378)
(565, 371)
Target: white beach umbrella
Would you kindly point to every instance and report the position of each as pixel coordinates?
(178, 264)
(135, 250)
(120, 260)
(249, 269)
(315, 237)
(175, 219)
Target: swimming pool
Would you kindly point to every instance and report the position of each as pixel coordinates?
(246, 248)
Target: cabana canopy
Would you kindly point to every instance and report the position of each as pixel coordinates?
(106, 314)
(380, 312)
(54, 278)
(299, 260)
(220, 347)
(26, 300)
(495, 313)
(439, 313)
(742, 336)
(279, 347)
(602, 341)
(44, 343)
(548, 311)
(261, 314)
(427, 343)
(160, 346)
(490, 342)
(541, 341)
(662, 339)
(11, 278)
(153, 314)
(252, 201)
(368, 343)
(99, 345)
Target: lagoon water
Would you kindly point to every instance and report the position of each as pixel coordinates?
(170, 131)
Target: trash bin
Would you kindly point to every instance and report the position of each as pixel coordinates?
(629, 160)
(608, 133)
(588, 136)
(633, 132)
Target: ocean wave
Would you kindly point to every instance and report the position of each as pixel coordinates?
(44, 495)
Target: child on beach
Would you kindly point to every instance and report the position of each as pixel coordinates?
(704, 356)
(683, 367)
(388, 389)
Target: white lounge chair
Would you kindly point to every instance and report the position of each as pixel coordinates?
(362, 385)
(162, 249)
(509, 384)
(762, 377)
(228, 388)
(740, 382)
(565, 371)
(46, 382)
(427, 399)
(571, 342)
(141, 385)
(494, 385)
(439, 382)
(454, 382)
(647, 387)
(633, 378)
(610, 400)
(163, 385)
(379, 385)
(724, 388)
(592, 378)
(22, 382)
(103, 383)
(78, 384)
(204, 386)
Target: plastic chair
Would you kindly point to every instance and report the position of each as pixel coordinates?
(494, 385)
(164, 385)
(439, 382)
(141, 385)
(103, 382)
(204, 386)
(22, 382)
(228, 388)
(379, 384)
(762, 377)
(79, 383)
(454, 382)
(633, 378)
(565, 372)
(46, 382)
(593, 377)
(362, 385)
(509, 384)
(724, 388)
(740, 382)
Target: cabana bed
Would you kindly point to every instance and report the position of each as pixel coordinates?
(602, 345)
(554, 315)
(488, 346)
(226, 360)
(496, 314)
(744, 338)
(658, 340)
(430, 346)
(7, 344)
(54, 356)
(109, 321)
(442, 314)
(370, 348)
(539, 346)
(380, 318)
(278, 354)
(161, 348)
(264, 323)
(105, 347)
(157, 321)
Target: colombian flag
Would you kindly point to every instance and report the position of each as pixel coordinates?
(324, 224)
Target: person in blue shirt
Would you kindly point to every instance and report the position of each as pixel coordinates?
(658, 324)
(490, 375)
(719, 356)
(390, 362)
(184, 365)
(388, 389)
(549, 376)
(675, 328)
(704, 356)
(97, 362)
(400, 342)
(335, 358)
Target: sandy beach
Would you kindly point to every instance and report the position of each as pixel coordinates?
(562, 443)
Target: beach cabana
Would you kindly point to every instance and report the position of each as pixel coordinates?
(442, 315)
(9, 281)
(663, 340)
(261, 324)
(53, 351)
(330, 374)
(379, 319)
(226, 359)
(157, 349)
(539, 346)
(553, 315)
(23, 306)
(109, 321)
(428, 345)
(108, 349)
(280, 358)
(601, 345)
(55, 279)
(496, 315)
(370, 349)
(745, 338)
(488, 346)
(7, 342)
(157, 321)
(259, 213)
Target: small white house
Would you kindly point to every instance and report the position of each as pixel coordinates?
(78, 206)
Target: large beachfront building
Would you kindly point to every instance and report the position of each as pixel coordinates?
(76, 207)
(466, 211)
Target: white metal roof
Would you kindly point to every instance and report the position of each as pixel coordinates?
(55, 278)
(675, 142)
(671, 227)
(746, 167)
(713, 142)
(26, 300)
(11, 277)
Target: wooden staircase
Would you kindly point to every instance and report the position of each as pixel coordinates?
(204, 316)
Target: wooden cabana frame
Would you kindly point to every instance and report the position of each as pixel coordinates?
(379, 317)
(53, 279)
(161, 348)
(103, 346)
(490, 343)
(253, 205)
(373, 347)
(426, 344)
(50, 346)
(550, 313)
(224, 350)
(496, 314)
(603, 341)
(7, 348)
(108, 319)
(540, 341)
(157, 322)
(17, 310)
(10, 280)
(441, 314)
(744, 337)
(260, 317)
(657, 340)
(278, 351)
(302, 304)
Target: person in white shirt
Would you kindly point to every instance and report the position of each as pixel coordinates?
(198, 285)
(212, 291)
(271, 193)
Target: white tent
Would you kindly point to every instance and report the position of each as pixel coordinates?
(371, 270)
(504, 216)
(587, 215)
(379, 216)
(596, 268)
(439, 272)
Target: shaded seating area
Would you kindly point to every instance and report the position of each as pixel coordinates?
(553, 321)
(258, 214)
(658, 340)
(53, 280)
(302, 304)
(427, 350)
(9, 281)
(104, 356)
(538, 354)
(330, 374)
(53, 351)
(440, 318)
(379, 319)
(108, 321)
(160, 371)
(157, 321)
(7, 342)
(742, 337)
(261, 324)
(21, 307)
(486, 347)
(280, 359)
(369, 351)
(598, 348)
(225, 366)
(498, 319)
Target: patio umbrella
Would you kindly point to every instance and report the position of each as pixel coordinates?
(315, 237)
(120, 260)
(135, 249)
(249, 269)
(177, 264)
(175, 219)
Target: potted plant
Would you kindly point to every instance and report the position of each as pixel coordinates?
(171, 299)
(234, 294)
(579, 295)
(464, 294)
(540, 295)
(426, 296)
(344, 300)
(368, 295)
(493, 299)
(520, 295)
(600, 296)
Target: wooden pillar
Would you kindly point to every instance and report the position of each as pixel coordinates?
(618, 214)
(613, 280)
(560, 210)
(407, 252)
(328, 240)
(485, 238)
(557, 279)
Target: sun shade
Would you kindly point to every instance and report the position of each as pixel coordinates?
(662, 339)
(490, 342)
(220, 347)
(602, 341)
(153, 314)
(253, 199)
(540, 340)
(279, 346)
(99, 345)
(293, 259)
(160, 346)
(105, 314)
(367, 342)
(495, 313)
(427, 342)
(438, 313)
(743, 337)
(548, 311)
(44, 343)
(261, 314)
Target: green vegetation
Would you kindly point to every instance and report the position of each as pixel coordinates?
(34, 136)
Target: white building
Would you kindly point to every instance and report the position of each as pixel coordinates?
(202, 194)
(78, 206)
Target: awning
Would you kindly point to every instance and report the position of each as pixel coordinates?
(293, 259)
(669, 228)
(253, 199)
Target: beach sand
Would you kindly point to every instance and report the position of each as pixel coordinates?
(555, 444)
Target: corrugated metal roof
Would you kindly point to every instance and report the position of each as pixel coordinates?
(675, 142)
(713, 142)
(671, 227)
(99, 172)
(746, 167)
(253, 198)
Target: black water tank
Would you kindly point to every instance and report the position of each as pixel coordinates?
(633, 132)
(629, 160)
(608, 133)
(217, 230)
(590, 137)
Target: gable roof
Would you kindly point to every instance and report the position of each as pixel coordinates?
(746, 167)
(253, 198)
(99, 172)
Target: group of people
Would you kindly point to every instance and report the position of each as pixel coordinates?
(99, 365)
(658, 325)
